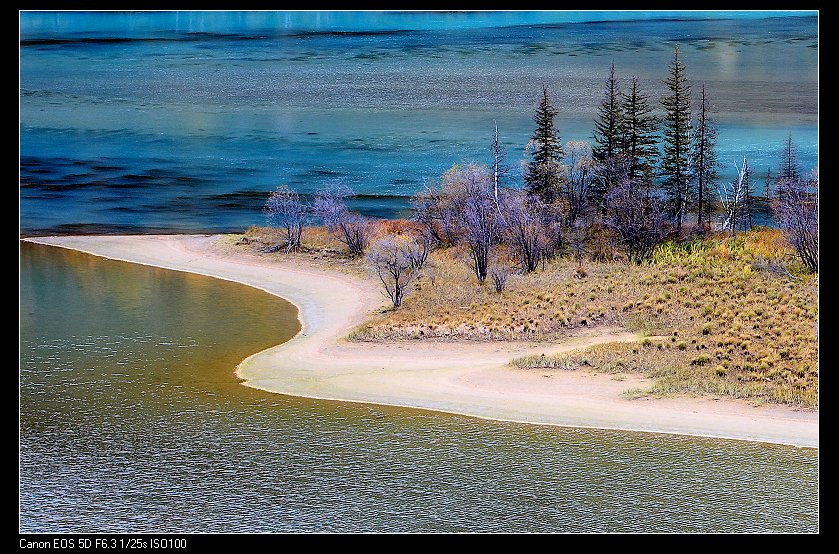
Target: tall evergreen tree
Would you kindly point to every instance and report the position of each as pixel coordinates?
(607, 142)
(704, 158)
(788, 167)
(541, 174)
(788, 170)
(607, 124)
(675, 164)
(639, 129)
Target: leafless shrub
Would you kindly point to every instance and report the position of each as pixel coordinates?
(427, 206)
(440, 209)
(349, 228)
(425, 244)
(797, 212)
(501, 265)
(636, 218)
(607, 174)
(499, 274)
(525, 229)
(579, 237)
(393, 260)
(579, 174)
(284, 209)
(482, 222)
(600, 243)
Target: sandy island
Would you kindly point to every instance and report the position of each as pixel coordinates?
(465, 378)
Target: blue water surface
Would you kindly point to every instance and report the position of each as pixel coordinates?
(167, 121)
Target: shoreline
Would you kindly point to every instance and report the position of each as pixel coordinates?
(468, 379)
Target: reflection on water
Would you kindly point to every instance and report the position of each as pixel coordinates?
(132, 420)
(167, 121)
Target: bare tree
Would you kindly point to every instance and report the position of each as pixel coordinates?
(704, 161)
(284, 209)
(499, 163)
(732, 197)
(746, 221)
(450, 212)
(480, 219)
(349, 228)
(525, 230)
(393, 260)
(797, 213)
(481, 226)
(425, 244)
(636, 219)
(557, 232)
(426, 205)
(579, 175)
(767, 197)
(463, 209)
(330, 203)
(439, 208)
(614, 169)
(579, 237)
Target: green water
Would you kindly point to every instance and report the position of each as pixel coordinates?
(131, 420)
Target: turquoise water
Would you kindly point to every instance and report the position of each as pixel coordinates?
(183, 121)
(131, 420)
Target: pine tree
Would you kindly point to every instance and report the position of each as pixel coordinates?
(542, 173)
(789, 161)
(639, 133)
(704, 161)
(607, 125)
(675, 165)
(788, 171)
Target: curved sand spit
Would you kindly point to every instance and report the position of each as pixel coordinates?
(465, 378)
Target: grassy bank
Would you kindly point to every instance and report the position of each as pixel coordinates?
(728, 320)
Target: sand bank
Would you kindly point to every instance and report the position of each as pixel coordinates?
(465, 378)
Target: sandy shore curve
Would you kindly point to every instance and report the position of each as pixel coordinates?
(458, 377)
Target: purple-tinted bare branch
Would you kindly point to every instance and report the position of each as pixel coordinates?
(284, 209)
(526, 229)
(393, 259)
(797, 212)
(636, 218)
(349, 228)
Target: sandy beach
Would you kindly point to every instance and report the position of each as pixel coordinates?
(465, 378)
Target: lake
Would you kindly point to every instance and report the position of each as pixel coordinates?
(131, 419)
(167, 121)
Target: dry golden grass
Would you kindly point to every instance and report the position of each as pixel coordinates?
(732, 330)
(729, 328)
